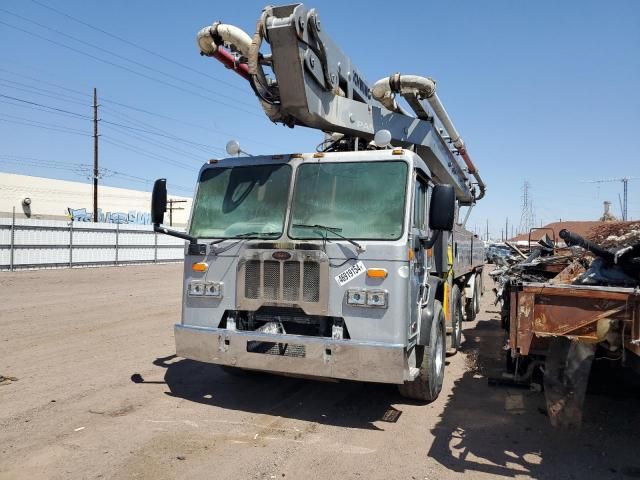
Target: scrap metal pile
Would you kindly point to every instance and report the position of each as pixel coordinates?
(610, 257)
(565, 305)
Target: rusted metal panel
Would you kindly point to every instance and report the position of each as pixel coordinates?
(540, 310)
(513, 320)
(524, 324)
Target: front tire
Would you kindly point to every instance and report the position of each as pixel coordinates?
(456, 320)
(478, 293)
(430, 360)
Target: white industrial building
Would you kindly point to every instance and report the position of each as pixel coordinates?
(49, 199)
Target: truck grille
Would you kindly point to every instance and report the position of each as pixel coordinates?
(281, 280)
(280, 349)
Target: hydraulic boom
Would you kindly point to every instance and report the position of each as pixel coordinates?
(314, 84)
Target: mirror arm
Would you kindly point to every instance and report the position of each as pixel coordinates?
(174, 233)
(428, 242)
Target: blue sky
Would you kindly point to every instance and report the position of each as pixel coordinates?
(542, 91)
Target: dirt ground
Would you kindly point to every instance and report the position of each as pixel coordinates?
(100, 394)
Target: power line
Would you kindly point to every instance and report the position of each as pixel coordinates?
(40, 80)
(208, 150)
(45, 106)
(171, 137)
(156, 143)
(33, 123)
(146, 153)
(137, 122)
(122, 57)
(204, 147)
(128, 42)
(35, 91)
(173, 119)
(183, 122)
(79, 168)
(122, 67)
(30, 107)
(137, 109)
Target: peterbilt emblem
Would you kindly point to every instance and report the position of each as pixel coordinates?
(281, 255)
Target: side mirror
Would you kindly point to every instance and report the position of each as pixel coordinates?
(159, 201)
(443, 208)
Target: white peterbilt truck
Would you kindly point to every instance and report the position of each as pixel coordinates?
(348, 262)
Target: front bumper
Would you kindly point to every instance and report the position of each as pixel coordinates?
(294, 354)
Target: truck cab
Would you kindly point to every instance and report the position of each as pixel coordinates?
(312, 264)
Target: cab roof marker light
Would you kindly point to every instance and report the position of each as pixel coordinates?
(396, 151)
(318, 155)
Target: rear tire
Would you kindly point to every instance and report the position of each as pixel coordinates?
(469, 308)
(477, 294)
(430, 360)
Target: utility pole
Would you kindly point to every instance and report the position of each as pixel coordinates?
(506, 228)
(625, 192)
(95, 155)
(171, 208)
(487, 229)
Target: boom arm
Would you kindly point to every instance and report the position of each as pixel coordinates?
(316, 85)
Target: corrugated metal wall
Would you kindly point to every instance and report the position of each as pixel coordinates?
(26, 243)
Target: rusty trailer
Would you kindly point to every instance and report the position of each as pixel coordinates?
(563, 327)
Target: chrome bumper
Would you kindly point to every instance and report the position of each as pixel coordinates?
(296, 354)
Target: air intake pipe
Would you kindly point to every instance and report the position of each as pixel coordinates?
(384, 91)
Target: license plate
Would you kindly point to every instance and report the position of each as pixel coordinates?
(350, 273)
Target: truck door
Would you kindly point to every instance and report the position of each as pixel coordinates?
(418, 268)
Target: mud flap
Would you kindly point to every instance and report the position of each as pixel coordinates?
(566, 375)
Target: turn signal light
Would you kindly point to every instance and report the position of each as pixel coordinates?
(377, 273)
(200, 267)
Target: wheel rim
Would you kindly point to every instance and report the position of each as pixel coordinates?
(439, 361)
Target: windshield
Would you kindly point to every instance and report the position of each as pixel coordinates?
(241, 201)
(363, 200)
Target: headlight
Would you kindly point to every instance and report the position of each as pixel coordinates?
(367, 298)
(377, 298)
(209, 289)
(213, 289)
(196, 288)
(356, 297)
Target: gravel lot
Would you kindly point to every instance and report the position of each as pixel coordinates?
(100, 394)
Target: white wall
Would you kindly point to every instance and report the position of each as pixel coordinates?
(51, 198)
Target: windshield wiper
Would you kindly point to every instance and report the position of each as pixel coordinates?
(244, 235)
(333, 230)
